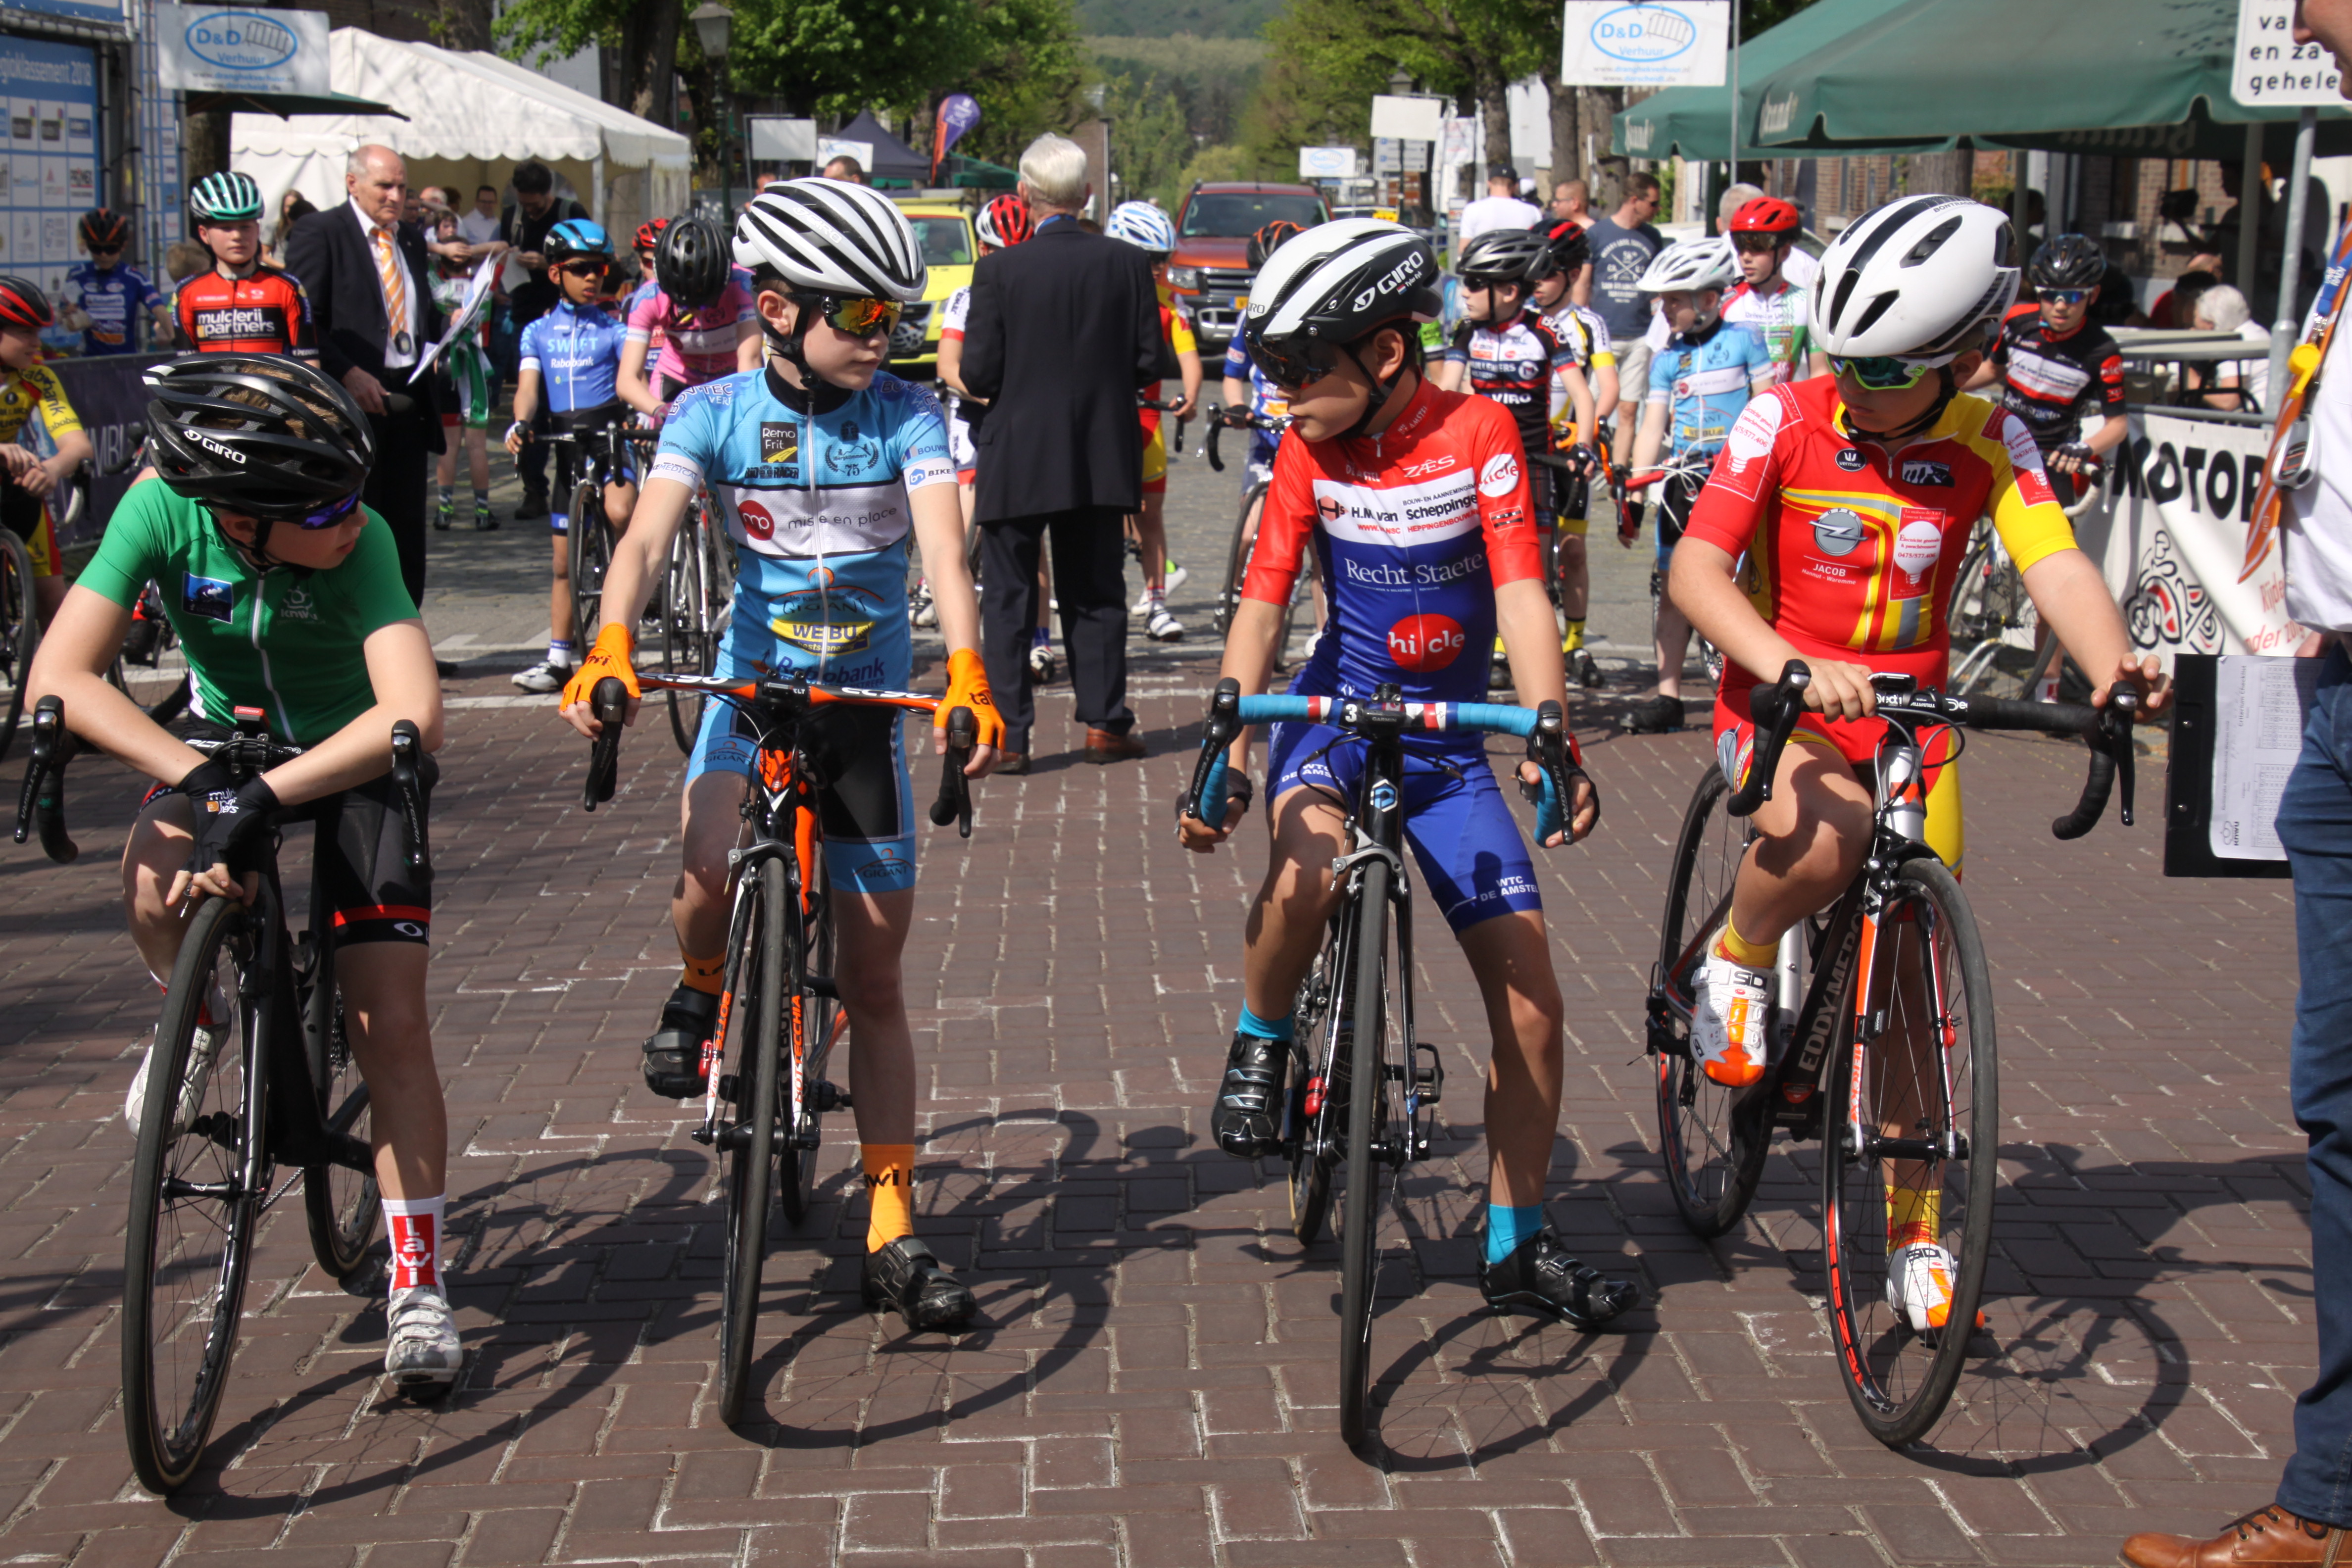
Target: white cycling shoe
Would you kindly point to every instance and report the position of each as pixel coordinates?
(1164, 626)
(203, 1049)
(1919, 1286)
(1729, 1020)
(544, 677)
(425, 1352)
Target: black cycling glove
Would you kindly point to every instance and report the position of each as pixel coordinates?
(232, 826)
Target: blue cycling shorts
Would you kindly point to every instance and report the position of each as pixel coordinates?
(1469, 850)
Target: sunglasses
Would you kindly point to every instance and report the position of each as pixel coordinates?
(328, 516)
(106, 250)
(1292, 366)
(2066, 295)
(1757, 244)
(857, 316)
(584, 268)
(1889, 372)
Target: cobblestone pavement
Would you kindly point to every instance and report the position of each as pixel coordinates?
(1154, 1378)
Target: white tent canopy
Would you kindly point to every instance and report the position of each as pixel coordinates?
(471, 118)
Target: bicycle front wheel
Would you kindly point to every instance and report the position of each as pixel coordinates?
(197, 1184)
(1711, 1140)
(591, 554)
(1359, 1215)
(1921, 1164)
(20, 628)
(340, 1205)
(684, 615)
(747, 1134)
(1229, 595)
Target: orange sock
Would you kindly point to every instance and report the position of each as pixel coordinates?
(889, 1191)
(706, 975)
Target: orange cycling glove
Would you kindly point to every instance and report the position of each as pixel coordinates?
(610, 657)
(967, 687)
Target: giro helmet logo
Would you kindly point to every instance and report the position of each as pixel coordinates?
(1363, 301)
(215, 448)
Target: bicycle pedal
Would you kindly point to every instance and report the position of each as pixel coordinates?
(826, 1097)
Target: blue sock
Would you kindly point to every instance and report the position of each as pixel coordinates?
(1265, 1029)
(1506, 1226)
(1040, 636)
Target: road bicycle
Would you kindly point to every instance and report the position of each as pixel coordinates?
(1692, 470)
(696, 598)
(1362, 1085)
(601, 454)
(1238, 554)
(1990, 610)
(1880, 1032)
(251, 1074)
(779, 1012)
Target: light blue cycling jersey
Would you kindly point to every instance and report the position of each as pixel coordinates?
(1704, 377)
(576, 349)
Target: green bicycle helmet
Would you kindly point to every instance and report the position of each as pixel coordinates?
(225, 197)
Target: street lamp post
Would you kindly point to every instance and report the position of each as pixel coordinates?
(713, 24)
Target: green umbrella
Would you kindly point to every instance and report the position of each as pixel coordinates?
(1695, 121)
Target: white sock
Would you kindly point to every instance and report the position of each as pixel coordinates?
(558, 651)
(415, 1227)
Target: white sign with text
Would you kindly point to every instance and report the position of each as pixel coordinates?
(2269, 67)
(1644, 42)
(209, 49)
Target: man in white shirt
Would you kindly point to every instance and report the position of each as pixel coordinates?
(481, 226)
(1500, 207)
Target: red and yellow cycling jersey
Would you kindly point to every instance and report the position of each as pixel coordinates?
(266, 313)
(1852, 554)
(22, 392)
(1179, 333)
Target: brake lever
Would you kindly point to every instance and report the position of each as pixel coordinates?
(1217, 734)
(610, 703)
(954, 804)
(407, 746)
(42, 807)
(1786, 697)
(2123, 709)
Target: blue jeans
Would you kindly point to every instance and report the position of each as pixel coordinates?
(2315, 821)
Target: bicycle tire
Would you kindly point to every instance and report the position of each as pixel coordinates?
(185, 1256)
(1899, 1381)
(1309, 1162)
(748, 1142)
(591, 554)
(340, 1205)
(1360, 1209)
(1712, 1140)
(811, 1030)
(1229, 596)
(20, 628)
(681, 634)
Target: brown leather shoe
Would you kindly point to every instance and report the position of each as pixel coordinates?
(1010, 762)
(1102, 746)
(2267, 1538)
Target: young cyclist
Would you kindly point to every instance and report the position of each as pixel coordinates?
(26, 481)
(1763, 234)
(103, 298)
(574, 354)
(241, 305)
(285, 593)
(1147, 228)
(1567, 257)
(824, 468)
(702, 311)
(1332, 318)
(1699, 382)
(1854, 499)
(2058, 368)
(464, 379)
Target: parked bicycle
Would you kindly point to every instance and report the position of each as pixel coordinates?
(1238, 554)
(1362, 1084)
(601, 455)
(779, 1010)
(1881, 1031)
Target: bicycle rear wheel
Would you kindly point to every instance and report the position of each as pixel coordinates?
(1932, 1076)
(810, 1031)
(746, 1131)
(684, 615)
(197, 1185)
(1711, 1140)
(341, 1206)
(1367, 1139)
(20, 628)
(591, 554)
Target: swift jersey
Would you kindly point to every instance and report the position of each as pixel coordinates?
(266, 313)
(1780, 319)
(1414, 529)
(1706, 381)
(1854, 554)
(817, 506)
(576, 349)
(1517, 365)
(2054, 383)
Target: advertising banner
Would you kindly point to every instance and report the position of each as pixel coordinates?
(2269, 67)
(1327, 162)
(202, 48)
(1644, 42)
(50, 157)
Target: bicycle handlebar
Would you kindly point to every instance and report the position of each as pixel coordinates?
(41, 807)
(1221, 419)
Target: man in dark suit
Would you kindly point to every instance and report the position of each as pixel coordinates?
(372, 303)
(1063, 331)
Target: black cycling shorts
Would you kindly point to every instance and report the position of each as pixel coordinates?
(857, 760)
(359, 855)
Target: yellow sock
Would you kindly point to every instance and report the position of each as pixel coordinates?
(1575, 639)
(889, 1190)
(706, 975)
(1913, 1216)
(1746, 953)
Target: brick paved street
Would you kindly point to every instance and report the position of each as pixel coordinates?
(1155, 1377)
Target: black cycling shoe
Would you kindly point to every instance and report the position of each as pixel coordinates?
(534, 505)
(1246, 1118)
(672, 1061)
(1585, 668)
(906, 1275)
(1653, 716)
(1540, 1280)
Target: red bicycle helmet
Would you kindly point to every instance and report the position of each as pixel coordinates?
(22, 304)
(105, 230)
(1766, 215)
(649, 234)
(1006, 222)
(1268, 239)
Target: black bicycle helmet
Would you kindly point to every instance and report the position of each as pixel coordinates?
(1269, 239)
(22, 304)
(2068, 261)
(105, 230)
(1565, 247)
(1502, 255)
(269, 435)
(691, 263)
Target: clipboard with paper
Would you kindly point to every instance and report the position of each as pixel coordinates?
(478, 295)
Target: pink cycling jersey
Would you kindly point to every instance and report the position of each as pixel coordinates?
(695, 345)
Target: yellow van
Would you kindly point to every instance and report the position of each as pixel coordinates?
(944, 231)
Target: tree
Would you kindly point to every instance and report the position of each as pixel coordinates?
(838, 56)
(642, 33)
(1029, 76)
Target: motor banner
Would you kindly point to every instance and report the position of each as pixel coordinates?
(2169, 529)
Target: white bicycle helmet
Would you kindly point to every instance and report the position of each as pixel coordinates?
(824, 237)
(1691, 265)
(1337, 281)
(1917, 277)
(1142, 226)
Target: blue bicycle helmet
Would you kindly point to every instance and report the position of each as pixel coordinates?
(578, 237)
